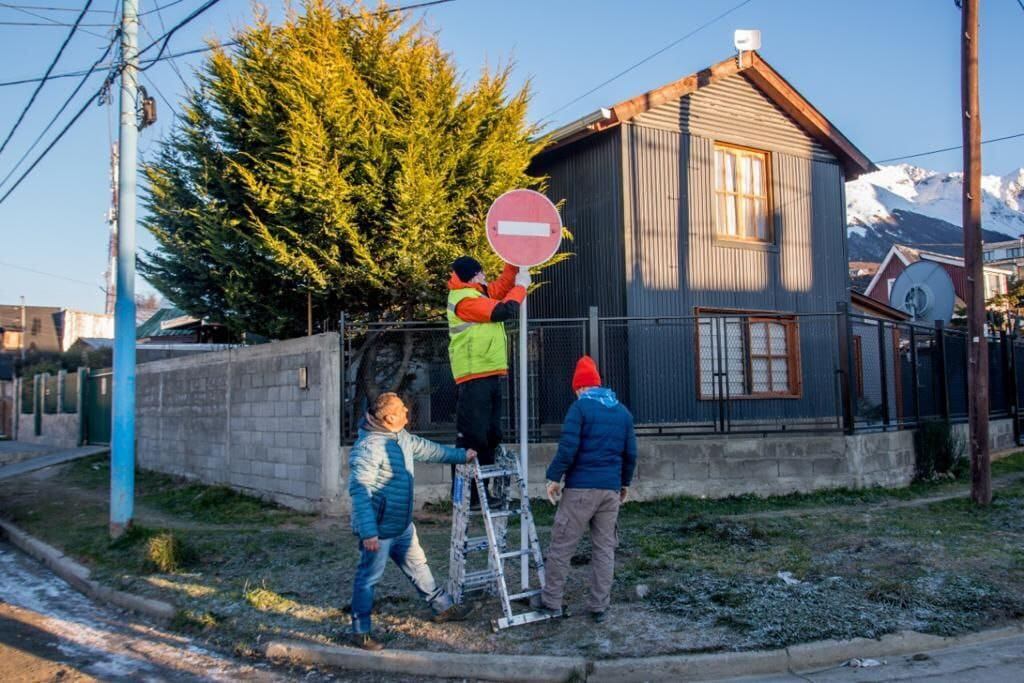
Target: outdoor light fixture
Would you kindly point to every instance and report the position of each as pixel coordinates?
(303, 378)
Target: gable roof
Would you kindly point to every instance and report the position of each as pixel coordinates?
(756, 70)
(908, 255)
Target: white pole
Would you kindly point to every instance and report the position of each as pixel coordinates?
(524, 438)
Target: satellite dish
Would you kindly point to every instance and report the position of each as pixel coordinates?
(924, 291)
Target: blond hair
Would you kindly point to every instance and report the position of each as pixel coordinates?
(384, 404)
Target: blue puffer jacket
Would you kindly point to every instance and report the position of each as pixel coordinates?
(381, 478)
(597, 449)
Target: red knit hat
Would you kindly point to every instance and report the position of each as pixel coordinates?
(586, 374)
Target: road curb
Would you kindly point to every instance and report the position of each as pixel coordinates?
(79, 576)
(487, 667)
(807, 656)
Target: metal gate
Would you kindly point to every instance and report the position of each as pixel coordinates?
(97, 395)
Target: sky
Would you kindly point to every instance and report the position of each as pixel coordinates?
(885, 72)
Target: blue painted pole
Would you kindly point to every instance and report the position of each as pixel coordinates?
(122, 460)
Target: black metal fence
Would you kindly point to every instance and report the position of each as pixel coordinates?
(707, 374)
(902, 374)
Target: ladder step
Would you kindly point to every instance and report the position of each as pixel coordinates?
(481, 577)
(515, 553)
(525, 594)
(476, 544)
(503, 513)
(492, 471)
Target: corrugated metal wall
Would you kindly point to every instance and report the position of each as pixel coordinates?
(587, 175)
(734, 110)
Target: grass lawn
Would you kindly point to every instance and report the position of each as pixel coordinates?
(862, 563)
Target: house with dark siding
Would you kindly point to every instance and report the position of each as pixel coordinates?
(709, 215)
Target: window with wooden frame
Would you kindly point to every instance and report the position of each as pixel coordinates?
(742, 195)
(747, 355)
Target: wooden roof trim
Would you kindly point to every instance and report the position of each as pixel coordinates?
(878, 307)
(803, 112)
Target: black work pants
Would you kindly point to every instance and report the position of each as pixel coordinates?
(478, 420)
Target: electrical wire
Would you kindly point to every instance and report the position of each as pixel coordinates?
(948, 149)
(116, 72)
(43, 272)
(50, 9)
(49, 70)
(67, 102)
(170, 62)
(51, 23)
(49, 19)
(649, 57)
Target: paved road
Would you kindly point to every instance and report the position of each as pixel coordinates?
(998, 661)
(47, 459)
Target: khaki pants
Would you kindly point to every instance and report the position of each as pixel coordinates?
(578, 509)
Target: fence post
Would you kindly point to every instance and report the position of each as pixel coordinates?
(37, 404)
(83, 436)
(1009, 377)
(594, 336)
(847, 382)
(16, 418)
(939, 370)
(343, 380)
(61, 379)
(883, 373)
(914, 377)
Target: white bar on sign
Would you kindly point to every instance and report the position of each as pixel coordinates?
(523, 229)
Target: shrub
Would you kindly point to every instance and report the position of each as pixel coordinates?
(167, 553)
(938, 451)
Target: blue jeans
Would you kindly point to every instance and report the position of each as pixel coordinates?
(406, 552)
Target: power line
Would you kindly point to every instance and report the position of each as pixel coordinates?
(49, 70)
(113, 75)
(50, 9)
(174, 67)
(43, 272)
(948, 149)
(52, 24)
(649, 57)
(64, 106)
(47, 19)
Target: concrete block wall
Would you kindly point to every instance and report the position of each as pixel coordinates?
(239, 418)
(60, 430)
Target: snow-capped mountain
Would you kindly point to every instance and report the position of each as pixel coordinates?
(912, 205)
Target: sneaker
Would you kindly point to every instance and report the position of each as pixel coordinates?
(365, 642)
(598, 617)
(538, 606)
(455, 613)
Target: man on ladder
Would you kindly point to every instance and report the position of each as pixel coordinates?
(477, 351)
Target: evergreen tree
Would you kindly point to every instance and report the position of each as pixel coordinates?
(340, 154)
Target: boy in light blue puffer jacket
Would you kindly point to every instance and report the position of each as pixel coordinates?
(381, 486)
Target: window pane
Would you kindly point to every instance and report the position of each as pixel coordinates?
(760, 219)
(744, 219)
(780, 376)
(778, 337)
(735, 355)
(730, 171)
(731, 225)
(708, 355)
(759, 339)
(757, 176)
(759, 378)
(744, 174)
(719, 170)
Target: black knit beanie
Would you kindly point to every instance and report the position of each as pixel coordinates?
(466, 267)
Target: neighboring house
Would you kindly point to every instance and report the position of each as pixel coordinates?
(174, 326)
(1007, 255)
(719, 194)
(73, 325)
(900, 257)
(145, 353)
(40, 331)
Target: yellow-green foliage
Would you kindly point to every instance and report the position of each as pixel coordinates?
(339, 152)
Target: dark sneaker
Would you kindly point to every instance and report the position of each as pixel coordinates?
(538, 606)
(455, 613)
(598, 617)
(364, 642)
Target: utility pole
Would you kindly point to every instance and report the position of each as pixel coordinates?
(122, 461)
(977, 367)
(24, 330)
(108, 306)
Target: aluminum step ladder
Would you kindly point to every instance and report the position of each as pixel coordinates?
(495, 514)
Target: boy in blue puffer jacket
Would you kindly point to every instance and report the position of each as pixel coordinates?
(596, 456)
(381, 486)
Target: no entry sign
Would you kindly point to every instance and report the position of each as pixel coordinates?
(524, 228)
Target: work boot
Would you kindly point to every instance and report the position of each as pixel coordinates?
(538, 606)
(598, 617)
(365, 642)
(455, 613)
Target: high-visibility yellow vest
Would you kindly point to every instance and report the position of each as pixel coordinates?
(474, 348)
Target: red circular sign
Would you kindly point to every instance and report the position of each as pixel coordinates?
(524, 228)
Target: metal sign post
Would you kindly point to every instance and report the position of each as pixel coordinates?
(525, 230)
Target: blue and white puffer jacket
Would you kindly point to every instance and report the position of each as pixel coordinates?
(381, 478)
